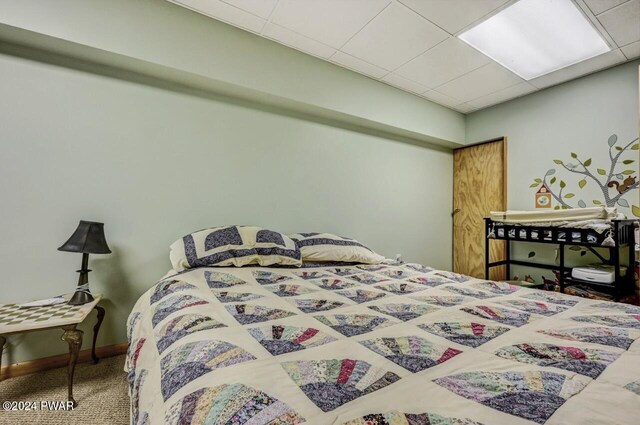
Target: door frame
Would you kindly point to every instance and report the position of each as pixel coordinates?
(505, 169)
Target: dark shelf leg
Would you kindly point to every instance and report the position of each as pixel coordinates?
(486, 253)
(631, 268)
(508, 254)
(561, 274)
(616, 261)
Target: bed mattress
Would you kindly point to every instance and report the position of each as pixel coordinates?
(384, 344)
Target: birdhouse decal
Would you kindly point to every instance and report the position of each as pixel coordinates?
(543, 197)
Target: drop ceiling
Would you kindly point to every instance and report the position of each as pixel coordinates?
(413, 44)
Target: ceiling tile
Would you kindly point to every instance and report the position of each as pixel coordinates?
(631, 51)
(465, 108)
(599, 6)
(574, 71)
(488, 79)
(403, 83)
(261, 8)
(403, 43)
(394, 37)
(440, 98)
(502, 95)
(224, 12)
(454, 15)
(298, 41)
(446, 61)
(623, 23)
(358, 65)
(331, 22)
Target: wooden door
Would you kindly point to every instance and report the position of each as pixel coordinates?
(479, 186)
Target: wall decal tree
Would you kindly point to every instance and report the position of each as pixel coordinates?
(614, 184)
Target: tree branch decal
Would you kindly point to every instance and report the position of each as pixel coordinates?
(614, 183)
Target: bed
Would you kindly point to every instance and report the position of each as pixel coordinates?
(376, 344)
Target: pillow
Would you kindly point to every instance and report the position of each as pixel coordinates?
(328, 247)
(234, 246)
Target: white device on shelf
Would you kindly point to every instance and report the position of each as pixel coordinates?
(599, 273)
(44, 303)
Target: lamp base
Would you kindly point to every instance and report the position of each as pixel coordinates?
(81, 297)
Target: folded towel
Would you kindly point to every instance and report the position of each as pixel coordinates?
(574, 214)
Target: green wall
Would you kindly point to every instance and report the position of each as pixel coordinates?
(157, 33)
(158, 121)
(155, 164)
(575, 117)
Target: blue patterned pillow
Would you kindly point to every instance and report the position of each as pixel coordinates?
(234, 246)
(327, 247)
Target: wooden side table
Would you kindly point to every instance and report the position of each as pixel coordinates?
(14, 319)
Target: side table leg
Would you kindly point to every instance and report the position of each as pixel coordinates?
(96, 329)
(73, 337)
(3, 340)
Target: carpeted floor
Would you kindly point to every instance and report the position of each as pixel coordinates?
(100, 390)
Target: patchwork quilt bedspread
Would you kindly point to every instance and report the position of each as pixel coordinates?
(383, 344)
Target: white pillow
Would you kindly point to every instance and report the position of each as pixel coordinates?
(328, 247)
(233, 246)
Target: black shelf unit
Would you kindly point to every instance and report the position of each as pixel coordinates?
(622, 233)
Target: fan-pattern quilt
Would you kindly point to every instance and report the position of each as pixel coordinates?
(385, 344)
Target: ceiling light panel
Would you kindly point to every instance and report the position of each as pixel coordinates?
(536, 37)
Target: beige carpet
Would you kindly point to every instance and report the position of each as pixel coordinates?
(100, 390)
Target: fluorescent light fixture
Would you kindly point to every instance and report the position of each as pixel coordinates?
(535, 37)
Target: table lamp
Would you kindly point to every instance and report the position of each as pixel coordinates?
(87, 239)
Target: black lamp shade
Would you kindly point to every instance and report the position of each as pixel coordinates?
(88, 238)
